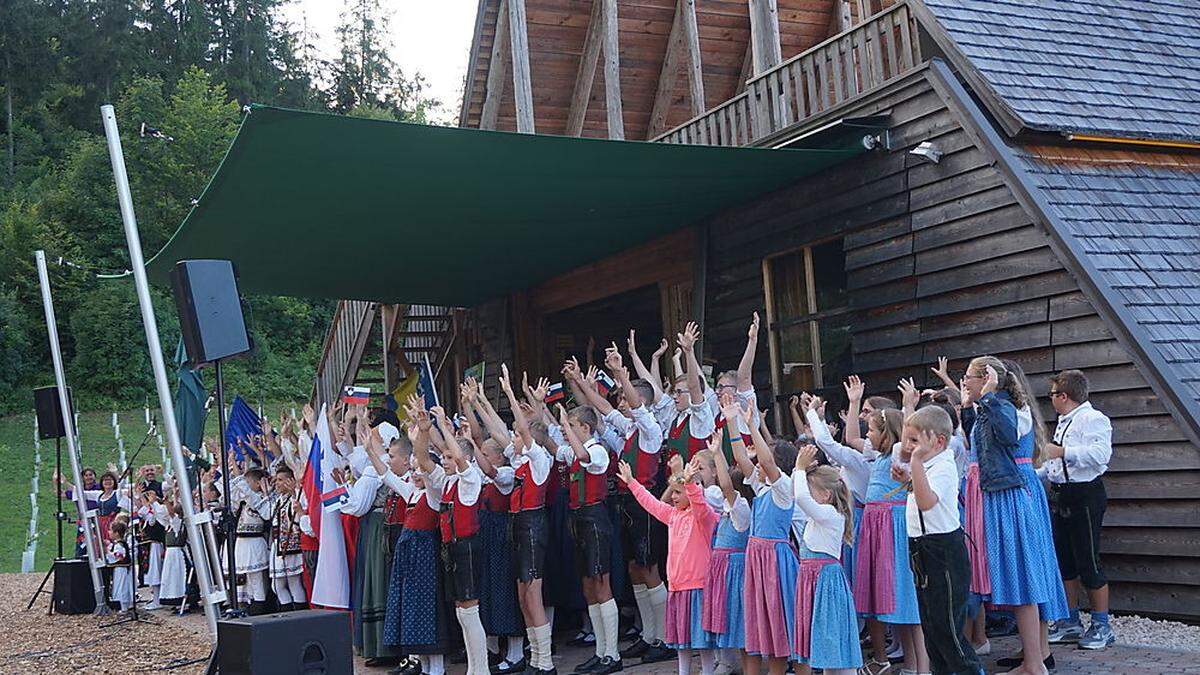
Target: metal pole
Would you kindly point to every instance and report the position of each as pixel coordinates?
(138, 265)
(230, 524)
(58, 515)
(64, 406)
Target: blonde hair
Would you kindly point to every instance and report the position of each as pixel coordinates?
(827, 478)
(891, 422)
(931, 418)
(1011, 380)
(706, 456)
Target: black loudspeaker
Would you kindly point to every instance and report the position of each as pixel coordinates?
(307, 642)
(210, 310)
(73, 592)
(49, 414)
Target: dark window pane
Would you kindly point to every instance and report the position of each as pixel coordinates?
(829, 275)
(788, 286)
(834, 335)
(796, 357)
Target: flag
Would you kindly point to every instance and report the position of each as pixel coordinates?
(556, 393)
(476, 371)
(604, 383)
(243, 423)
(425, 386)
(189, 407)
(356, 395)
(334, 499)
(331, 580)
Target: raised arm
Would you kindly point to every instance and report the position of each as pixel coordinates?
(764, 453)
(724, 480)
(419, 433)
(453, 452)
(649, 375)
(854, 394)
(943, 373)
(593, 398)
(746, 365)
(491, 419)
(733, 413)
(687, 343)
(677, 362)
(572, 438)
(466, 394)
(910, 396)
(520, 423)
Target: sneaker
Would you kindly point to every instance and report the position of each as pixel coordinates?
(1098, 636)
(635, 650)
(581, 639)
(1014, 661)
(895, 651)
(587, 666)
(507, 667)
(151, 606)
(983, 649)
(1065, 631)
(657, 652)
(608, 665)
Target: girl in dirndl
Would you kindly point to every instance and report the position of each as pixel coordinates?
(175, 564)
(498, 608)
(826, 622)
(117, 557)
(723, 615)
(690, 524)
(769, 596)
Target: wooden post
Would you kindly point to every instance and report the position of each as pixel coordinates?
(497, 70)
(666, 78)
(764, 35)
(612, 72)
(844, 20)
(522, 80)
(587, 71)
(691, 45)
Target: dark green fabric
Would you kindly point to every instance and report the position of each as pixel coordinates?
(318, 205)
(190, 396)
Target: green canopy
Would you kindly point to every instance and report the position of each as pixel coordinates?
(318, 205)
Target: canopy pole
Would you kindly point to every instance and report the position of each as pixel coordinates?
(210, 595)
(95, 560)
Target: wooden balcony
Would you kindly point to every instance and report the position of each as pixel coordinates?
(880, 49)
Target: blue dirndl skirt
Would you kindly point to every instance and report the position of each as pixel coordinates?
(498, 609)
(1022, 565)
(416, 618)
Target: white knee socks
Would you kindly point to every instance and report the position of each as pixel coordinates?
(658, 600)
(474, 638)
(641, 596)
(683, 660)
(281, 590)
(256, 586)
(493, 644)
(598, 630)
(516, 649)
(708, 661)
(610, 619)
(432, 664)
(539, 637)
(295, 584)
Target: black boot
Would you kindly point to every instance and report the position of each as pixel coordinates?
(257, 607)
(286, 607)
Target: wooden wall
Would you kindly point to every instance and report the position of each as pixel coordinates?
(942, 260)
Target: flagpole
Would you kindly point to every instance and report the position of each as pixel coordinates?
(211, 596)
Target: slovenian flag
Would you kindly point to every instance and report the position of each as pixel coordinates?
(555, 393)
(604, 383)
(331, 578)
(356, 395)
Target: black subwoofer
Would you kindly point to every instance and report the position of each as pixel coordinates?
(73, 592)
(307, 642)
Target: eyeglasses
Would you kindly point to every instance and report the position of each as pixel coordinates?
(969, 376)
(1057, 393)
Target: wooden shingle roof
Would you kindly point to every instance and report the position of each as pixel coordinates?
(1136, 216)
(1125, 68)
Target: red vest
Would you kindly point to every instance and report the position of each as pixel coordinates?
(586, 488)
(492, 499)
(680, 440)
(527, 495)
(459, 521)
(394, 510)
(421, 516)
(644, 464)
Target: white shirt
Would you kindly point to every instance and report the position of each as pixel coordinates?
(781, 489)
(539, 459)
(856, 468)
(664, 411)
(942, 475)
(826, 526)
(1086, 437)
(738, 512)
(597, 456)
(401, 485)
(700, 420)
(362, 494)
(470, 482)
(650, 435)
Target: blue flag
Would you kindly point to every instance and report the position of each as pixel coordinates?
(425, 386)
(243, 423)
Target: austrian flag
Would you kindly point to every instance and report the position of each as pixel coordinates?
(356, 395)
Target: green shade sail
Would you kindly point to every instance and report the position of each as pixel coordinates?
(318, 205)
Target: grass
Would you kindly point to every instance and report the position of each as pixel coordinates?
(98, 449)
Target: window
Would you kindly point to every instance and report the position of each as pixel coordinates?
(808, 318)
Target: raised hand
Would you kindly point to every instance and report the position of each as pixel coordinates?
(752, 332)
(854, 388)
(592, 373)
(630, 342)
(909, 394)
(927, 443)
(966, 393)
(675, 464)
(805, 456)
(570, 369)
(687, 339)
(992, 383)
(663, 346)
(943, 371)
(612, 357)
(505, 380)
(624, 472)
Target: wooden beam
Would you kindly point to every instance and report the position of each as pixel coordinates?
(497, 70)
(691, 48)
(587, 70)
(522, 79)
(666, 77)
(841, 11)
(747, 68)
(764, 35)
(612, 72)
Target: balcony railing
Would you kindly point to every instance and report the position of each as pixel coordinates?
(861, 59)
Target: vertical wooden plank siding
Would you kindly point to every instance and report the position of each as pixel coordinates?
(522, 80)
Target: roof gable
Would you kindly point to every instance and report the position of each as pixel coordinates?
(1124, 68)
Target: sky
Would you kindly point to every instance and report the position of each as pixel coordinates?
(430, 38)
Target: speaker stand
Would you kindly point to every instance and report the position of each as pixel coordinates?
(59, 517)
(42, 589)
(232, 611)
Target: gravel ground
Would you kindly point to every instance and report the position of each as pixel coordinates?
(1142, 632)
(34, 642)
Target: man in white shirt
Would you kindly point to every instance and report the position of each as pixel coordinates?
(1075, 466)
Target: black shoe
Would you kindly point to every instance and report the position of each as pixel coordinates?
(1014, 661)
(382, 661)
(409, 666)
(494, 659)
(631, 632)
(257, 608)
(635, 650)
(458, 657)
(608, 665)
(657, 652)
(286, 607)
(506, 668)
(587, 666)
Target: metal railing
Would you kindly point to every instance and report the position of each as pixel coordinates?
(343, 348)
(861, 59)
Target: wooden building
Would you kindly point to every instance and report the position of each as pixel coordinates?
(1032, 191)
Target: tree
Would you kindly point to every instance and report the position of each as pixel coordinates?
(365, 77)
